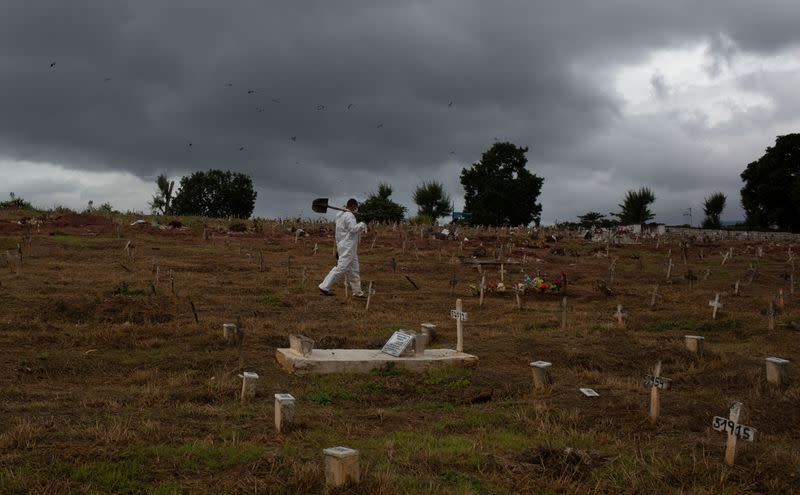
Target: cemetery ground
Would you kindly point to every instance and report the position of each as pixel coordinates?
(111, 384)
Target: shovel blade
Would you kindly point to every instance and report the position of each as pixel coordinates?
(320, 205)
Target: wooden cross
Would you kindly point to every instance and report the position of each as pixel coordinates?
(482, 288)
(372, 246)
(753, 273)
(460, 316)
(611, 269)
(708, 272)
(370, 291)
(669, 268)
(656, 382)
(726, 256)
(517, 290)
(316, 248)
(691, 277)
(620, 316)
(654, 296)
(736, 288)
(771, 312)
(502, 273)
(716, 305)
(735, 431)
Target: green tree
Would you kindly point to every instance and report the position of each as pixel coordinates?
(432, 200)
(635, 207)
(162, 199)
(499, 190)
(215, 194)
(593, 218)
(379, 208)
(771, 192)
(15, 202)
(712, 207)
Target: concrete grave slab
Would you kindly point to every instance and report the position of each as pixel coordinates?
(322, 361)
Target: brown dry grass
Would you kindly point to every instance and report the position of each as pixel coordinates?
(126, 393)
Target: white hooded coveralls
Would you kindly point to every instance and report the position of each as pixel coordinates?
(347, 234)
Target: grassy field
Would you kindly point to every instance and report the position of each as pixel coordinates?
(109, 385)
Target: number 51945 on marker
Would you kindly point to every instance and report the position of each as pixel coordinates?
(747, 433)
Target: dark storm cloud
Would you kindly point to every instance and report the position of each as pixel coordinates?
(254, 74)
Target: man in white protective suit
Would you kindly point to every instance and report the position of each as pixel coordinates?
(347, 234)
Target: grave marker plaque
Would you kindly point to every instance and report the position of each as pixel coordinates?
(541, 376)
(397, 343)
(776, 370)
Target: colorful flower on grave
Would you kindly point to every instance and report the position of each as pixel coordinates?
(528, 280)
(520, 288)
(473, 289)
(500, 287)
(544, 286)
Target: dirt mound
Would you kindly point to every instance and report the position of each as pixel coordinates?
(114, 309)
(558, 463)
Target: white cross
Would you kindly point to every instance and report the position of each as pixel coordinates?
(716, 305)
(620, 315)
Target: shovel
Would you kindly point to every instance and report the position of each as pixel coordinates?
(320, 205)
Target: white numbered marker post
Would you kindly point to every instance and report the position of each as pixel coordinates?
(460, 316)
(656, 383)
(735, 431)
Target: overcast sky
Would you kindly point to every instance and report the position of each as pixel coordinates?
(328, 98)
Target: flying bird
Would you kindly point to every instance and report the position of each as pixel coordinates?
(275, 101)
(379, 126)
(452, 152)
(190, 144)
(320, 107)
(52, 64)
(251, 91)
(230, 85)
(241, 148)
(450, 104)
(349, 106)
(106, 79)
(294, 138)
(259, 109)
